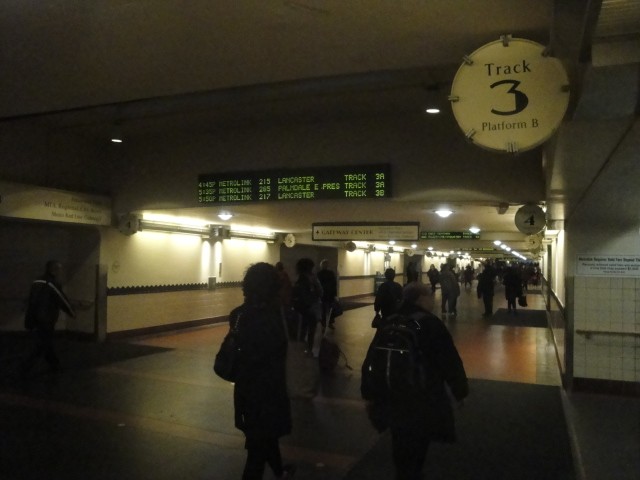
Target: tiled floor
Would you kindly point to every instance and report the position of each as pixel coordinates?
(165, 415)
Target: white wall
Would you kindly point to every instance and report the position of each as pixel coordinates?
(237, 255)
(154, 258)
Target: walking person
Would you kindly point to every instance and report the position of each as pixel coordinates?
(285, 295)
(329, 283)
(260, 399)
(412, 273)
(388, 296)
(485, 289)
(46, 300)
(512, 288)
(468, 276)
(450, 290)
(426, 415)
(434, 277)
(307, 295)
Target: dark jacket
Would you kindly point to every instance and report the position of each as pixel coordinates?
(512, 284)
(434, 276)
(46, 299)
(432, 411)
(262, 407)
(486, 281)
(388, 298)
(307, 294)
(329, 283)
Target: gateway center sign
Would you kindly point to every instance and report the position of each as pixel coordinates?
(509, 95)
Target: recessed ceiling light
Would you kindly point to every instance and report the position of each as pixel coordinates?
(392, 242)
(497, 242)
(413, 245)
(443, 212)
(116, 140)
(432, 110)
(225, 215)
(474, 230)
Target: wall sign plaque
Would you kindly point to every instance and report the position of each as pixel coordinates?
(509, 95)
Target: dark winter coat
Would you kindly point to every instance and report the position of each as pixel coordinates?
(388, 298)
(512, 285)
(262, 407)
(432, 411)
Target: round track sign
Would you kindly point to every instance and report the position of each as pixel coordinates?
(509, 96)
(530, 219)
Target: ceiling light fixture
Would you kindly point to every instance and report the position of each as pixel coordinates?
(474, 230)
(392, 242)
(225, 216)
(443, 212)
(432, 110)
(497, 243)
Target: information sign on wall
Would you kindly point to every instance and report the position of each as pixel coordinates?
(509, 95)
(608, 265)
(366, 231)
(320, 183)
(37, 203)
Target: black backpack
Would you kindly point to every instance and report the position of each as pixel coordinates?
(394, 364)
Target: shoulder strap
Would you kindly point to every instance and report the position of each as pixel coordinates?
(59, 293)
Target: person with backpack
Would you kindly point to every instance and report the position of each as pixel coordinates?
(388, 296)
(410, 363)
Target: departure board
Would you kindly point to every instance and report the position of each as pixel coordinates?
(320, 183)
(449, 236)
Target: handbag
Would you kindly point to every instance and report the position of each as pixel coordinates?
(226, 362)
(377, 321)
(522, 301)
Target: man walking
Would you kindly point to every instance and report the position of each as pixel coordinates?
(46, 299)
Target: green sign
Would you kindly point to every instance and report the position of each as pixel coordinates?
(315, 183)
(449, 236)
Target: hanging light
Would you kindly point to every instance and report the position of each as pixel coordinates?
(443, 212)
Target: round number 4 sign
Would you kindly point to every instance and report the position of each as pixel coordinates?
(530, 219)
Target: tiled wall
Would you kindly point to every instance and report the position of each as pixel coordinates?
(607, 328)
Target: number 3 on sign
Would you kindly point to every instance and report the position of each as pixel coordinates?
(521, 99)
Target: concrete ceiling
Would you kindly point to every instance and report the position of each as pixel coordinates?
(155, 66)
